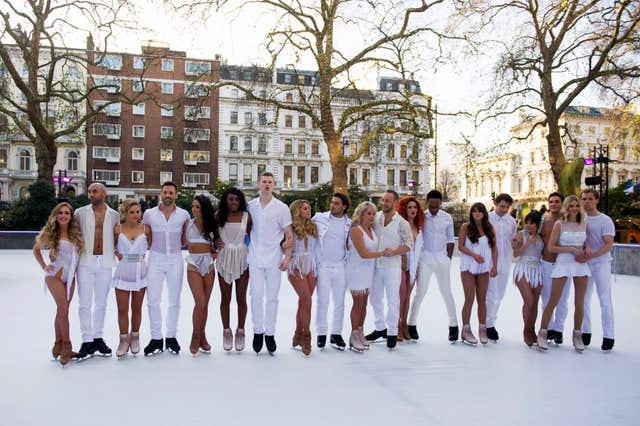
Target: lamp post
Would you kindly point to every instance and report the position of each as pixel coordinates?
(600, 160)
(61, 179)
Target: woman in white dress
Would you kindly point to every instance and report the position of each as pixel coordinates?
(234, 228)
(527, 272)
(567, 239)
(62, 236)
(362, 252)
(130, 277)
(478, 260)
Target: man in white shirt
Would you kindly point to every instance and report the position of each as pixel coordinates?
(168, 223)
(96, 221)
(271, 221)
(333, 231)
(437, 249)
(505, 229)
(600, 234)
(395, 238)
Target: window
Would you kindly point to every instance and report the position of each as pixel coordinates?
(353, 176)
(365, 177)
(138, 109)
(166, 176)
(106, 175)
(315, 147)
(196, 156)
(138, 86)
(302, 148)
(262, 144)
(167, 88)
(233, 143)
(353, 148)
(112, 62)
(193, 135)
(3, 158)
(137, 176)
(315, 175)
(166, 110)
(533, 157)
(167, 65)
(403, 178)
(390, 151)
(166, 155)
(111, 131)
(234, 92)
(248, 118)
(193, 179)
(391, 177)
(234, 117)
(196, 112)
(288, 121)
(287, 79)
(166, 132)
(262, 118)
(247, 76)
(195, 90)
(246, 173)
(415, 177)
(233, 172)
(289, 97)
(106, 153)
(403, 151)
(288, 173)
(139, 63)
(263, 94)
(302, 121)
(137, 153)
(196, 68)
(248, 143)
(112, 110)
(301, 175)
(288, 146)
(261, 169)
(138, 131)
(25, 160)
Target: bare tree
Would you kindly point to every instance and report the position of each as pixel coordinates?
(448, 184)
(467, 155)
(557, 51)
(386, 35)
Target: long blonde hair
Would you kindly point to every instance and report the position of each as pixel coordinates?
(564, 212)
(125, 206)
(302, 227)
(50, 233)
(356, 220)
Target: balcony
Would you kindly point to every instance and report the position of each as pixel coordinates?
(189, 185)
(24, 173)
(113, 137)
(112, 182)
(112, 159)
(190, 163)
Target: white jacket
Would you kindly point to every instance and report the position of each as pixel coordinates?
(322, 224)
(86, 219)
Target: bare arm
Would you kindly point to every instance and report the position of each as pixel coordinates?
(184, 232)
(37, 253)
(116, 235)
(608, 245)
(288, 237)
(149, 235)
(553, 242)
(407, 239)
(518, 245)
(358, 243)
(462, 238)
(450, 247)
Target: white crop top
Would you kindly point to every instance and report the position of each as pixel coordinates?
(194, 235)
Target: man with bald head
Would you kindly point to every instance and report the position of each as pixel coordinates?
(96, 221)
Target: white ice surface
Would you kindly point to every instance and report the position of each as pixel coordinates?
(425, 383)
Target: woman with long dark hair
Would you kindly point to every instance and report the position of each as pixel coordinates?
(478, 261)
(62, 236)
(234, 226)
(201, 232)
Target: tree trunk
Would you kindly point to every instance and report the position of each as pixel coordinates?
(557, 160)
(338, 167)
(46, 153)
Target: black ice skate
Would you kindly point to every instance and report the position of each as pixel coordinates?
(337, 342)
(322, 341)
(376, 335)
(492, 334)
(270, 342)
(453, 334)
(84, 352)
(100, 348)
(154, 347)
(258, 341)
(171, 344)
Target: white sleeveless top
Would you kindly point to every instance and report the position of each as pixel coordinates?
(359, 270)
(232, 259)
(131, 272)
(304, 258)
(572, 234)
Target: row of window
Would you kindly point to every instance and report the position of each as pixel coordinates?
(189, 157)
(191, 113)
(261, 119)
(137, 176)
(114, 131)
(25, 160)
(114, 63)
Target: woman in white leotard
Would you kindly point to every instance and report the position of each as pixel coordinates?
(234, 228)
(567, 239)
(62, 236)
(130, 277)
(201, 234)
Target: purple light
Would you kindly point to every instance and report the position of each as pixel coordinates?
(66, 179)
(589, 161)
(55, 179)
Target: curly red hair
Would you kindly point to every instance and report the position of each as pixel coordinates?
(402, 210)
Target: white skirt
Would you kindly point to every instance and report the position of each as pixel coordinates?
(570, 269)
(530, 268)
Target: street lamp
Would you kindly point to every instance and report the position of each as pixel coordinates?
(600, 156)
(62, 180)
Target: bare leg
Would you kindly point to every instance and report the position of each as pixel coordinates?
(529, 301)
(136, 309)
(58, 291)
(302, 289)
(122, 300)
(482, 281)
(580, 286)
(196, 283)
(557, 285)
(225, 300)
(242, 284)
(469, 287)
(208, 281)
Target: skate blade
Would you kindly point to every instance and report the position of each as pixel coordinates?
(356, 350)
(469, 343)
(205, 351)
(154, 352)
(340, 348)
(541, 349)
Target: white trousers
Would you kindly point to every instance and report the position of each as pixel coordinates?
(601, 279)
(331, 281)
(94, 282)
(443, 276)
(562, 309)
(386, 280)
(495, 293)
(264, 289)
(170, 268)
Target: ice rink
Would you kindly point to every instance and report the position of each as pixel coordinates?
(427, 383)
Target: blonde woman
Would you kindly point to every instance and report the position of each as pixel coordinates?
(61, 235)
(130, 278)
(567, 239)
(363, 250)
(302, 272)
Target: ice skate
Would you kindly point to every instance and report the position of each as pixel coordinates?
(239, 339)
(354, 342)
(154, 347)
(607, 344)
(270, 343)
(296, 341)
(194, 346)
(337, 342)
(306, 343)
(467, 336)
(482, 334)
(227, 339)
(542, 340)
(205, 347)
(578, 344)
(100, 348)
(123, 346)
(57, 349)
(363, 339)
(321, 341)
(134, 342)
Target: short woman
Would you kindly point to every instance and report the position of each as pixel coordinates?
(478, 260)
(130, 278)
(62, 236)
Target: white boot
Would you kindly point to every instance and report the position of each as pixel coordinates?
(123, 347)
(577, 340)
(542, 339)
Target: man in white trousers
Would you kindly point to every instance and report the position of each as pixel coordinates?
(168, 223)
(600, 234)
(97, 221)
(333, 230)
(505, 229)
(395, 238)
(556, 325)
(271, 221)
(437, 249)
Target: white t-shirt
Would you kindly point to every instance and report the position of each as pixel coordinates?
(597, 227)
(505, 229)
(166, 233)
(267, 231)
(334, 245)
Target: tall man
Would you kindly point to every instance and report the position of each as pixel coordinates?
(437, 249)
(167, 222)
(556, 325)
(271, 221)
(505, 229)
(96, 221)
(600, 233)
(333, 231)
(395, 239)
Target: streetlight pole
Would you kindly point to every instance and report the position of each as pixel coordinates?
(435, 146)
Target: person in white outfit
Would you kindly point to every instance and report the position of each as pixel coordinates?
(393, 233)
(333, 231)
(568, 239)
(600, 233)
(271, 222)
(130, 277)
(437, 249)
(168, 224)
(97, 260)
(505, 229)
(478, 260)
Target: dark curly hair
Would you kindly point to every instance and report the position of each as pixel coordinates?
(473, 233)
(223, 207)
(209, 226)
